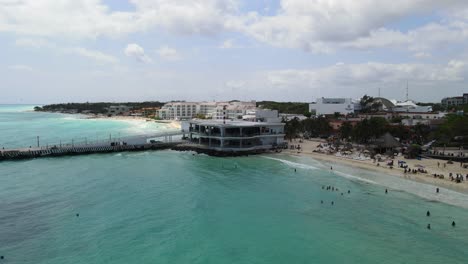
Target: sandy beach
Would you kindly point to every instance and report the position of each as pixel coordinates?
(430, 165)
(171, 123)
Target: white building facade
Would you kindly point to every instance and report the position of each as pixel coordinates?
(330, 106)
(178, 111)
(410, 107)
(209, 110)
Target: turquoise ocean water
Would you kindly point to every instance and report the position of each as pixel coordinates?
(175, 207)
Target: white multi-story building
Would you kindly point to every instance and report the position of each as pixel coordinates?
(330, 106)
(233, 110)
(210, 110)
(178, 110)
(262, 115)
(207, 109)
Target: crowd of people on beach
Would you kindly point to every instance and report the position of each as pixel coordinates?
(327, 148)
(449, 154)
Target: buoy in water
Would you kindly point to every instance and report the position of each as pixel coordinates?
(386, 191)
(428, 213)
(332, 203)
(77, 215)
(453, 223)
(428, 226)
(349, 191)
(321, 201)
(2, 257)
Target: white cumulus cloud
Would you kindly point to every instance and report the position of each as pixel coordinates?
(135, 51)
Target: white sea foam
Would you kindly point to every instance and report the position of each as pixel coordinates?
(352, 177)
(423, 190)
(294, 164)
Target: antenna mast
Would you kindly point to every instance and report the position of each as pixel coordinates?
(407, 90)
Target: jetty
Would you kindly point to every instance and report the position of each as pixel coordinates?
(157, 141)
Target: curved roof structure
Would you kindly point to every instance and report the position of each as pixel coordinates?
(385, 102)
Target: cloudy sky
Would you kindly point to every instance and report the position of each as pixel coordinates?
(284, 50)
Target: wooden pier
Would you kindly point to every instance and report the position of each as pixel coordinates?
(134, 143)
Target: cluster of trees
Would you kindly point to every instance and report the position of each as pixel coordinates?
(312, 127)
(95, 108)
(286, 107)
(375, 127)
(454, 132)
(369, 104)
(361, 132)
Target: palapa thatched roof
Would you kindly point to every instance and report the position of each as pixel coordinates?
(386, 141)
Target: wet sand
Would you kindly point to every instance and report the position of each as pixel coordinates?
(430, 165)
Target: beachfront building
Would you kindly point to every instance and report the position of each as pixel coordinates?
(330, 106)
(236, 136)
(118, 110)
(233, 110)
(206, 109)
(262, 115)
(178, 111)
(209, 110)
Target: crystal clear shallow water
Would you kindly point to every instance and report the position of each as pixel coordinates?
(173, 207)
(20, 127)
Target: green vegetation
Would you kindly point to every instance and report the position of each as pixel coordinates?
(285, 108)
(369, 128)
(95, 108)
(361, 132)
(309, 127)
(369, 105)
(454, 132)
(414, 151)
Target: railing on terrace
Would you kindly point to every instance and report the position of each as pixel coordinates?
(52, 143)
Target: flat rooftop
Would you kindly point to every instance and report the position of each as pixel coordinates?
(230, 123)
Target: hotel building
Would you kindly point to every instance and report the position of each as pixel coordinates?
(236, 136)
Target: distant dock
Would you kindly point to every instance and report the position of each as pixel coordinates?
(134, 143)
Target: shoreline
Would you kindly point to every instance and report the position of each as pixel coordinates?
(427, 178)
(171, 123)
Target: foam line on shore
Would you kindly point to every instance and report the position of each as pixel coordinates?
(420, 189)
(294, 164)
(352, 177)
